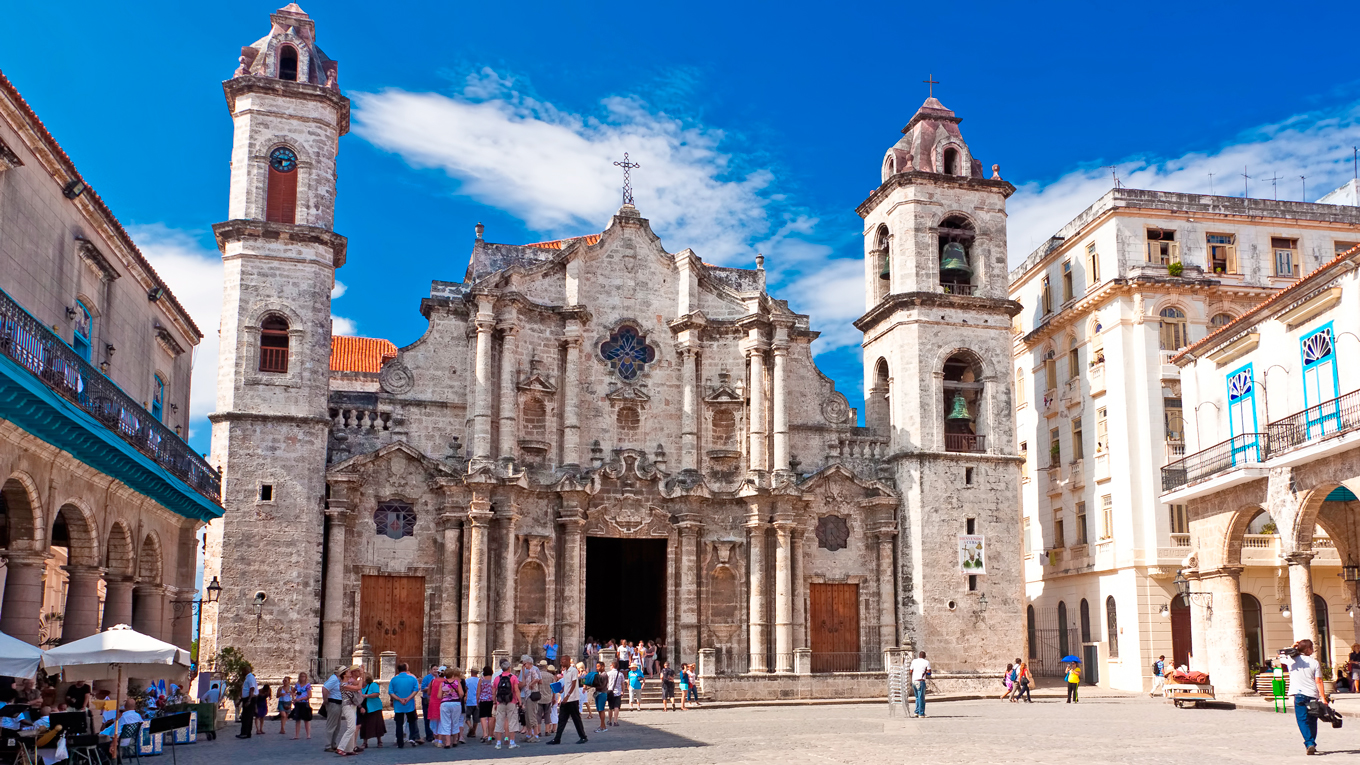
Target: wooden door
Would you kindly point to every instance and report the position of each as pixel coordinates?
(392, 615)
(1181, 635)
(835, 627)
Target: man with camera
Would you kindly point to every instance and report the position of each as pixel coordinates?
(1305, 683)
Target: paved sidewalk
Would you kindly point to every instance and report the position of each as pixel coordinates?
(1098, 730)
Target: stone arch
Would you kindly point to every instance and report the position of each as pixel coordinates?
(24, 525)
(531, 593)
(1228, 549)
(149, 560)
(118, 552)
(1299, 536)
(80, 534)
(287, 61)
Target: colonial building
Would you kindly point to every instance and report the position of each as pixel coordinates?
(1271, 478)
(600, 437)
(102, 499)
(1109, 300)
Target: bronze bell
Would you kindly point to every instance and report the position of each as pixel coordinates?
(960, 409)
(885, 272)
(955, 260)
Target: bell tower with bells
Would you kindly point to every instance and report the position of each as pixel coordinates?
(938, 375)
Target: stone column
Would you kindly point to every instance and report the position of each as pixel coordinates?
(148, 611)
(509, 575)
(756, 527)
(333, 608)
(22, 606)
(689, 591)
(781, 399)
(571, 416)
(480, 515)
(887, 590)
(570, 619)
(509, 398)
(1199, 627)
(757, 393)
(1228, 640)
(783, 597)
(81, 617)
(481, 406)
(689, 412)
(117, 601)
(1304, 616)
(182, 618)
(451, 586)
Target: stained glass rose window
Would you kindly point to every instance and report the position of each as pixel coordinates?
(627, 352)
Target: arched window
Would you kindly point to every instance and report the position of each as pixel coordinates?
(288, 63)
(956, 235)
(1032, 629)
(1112, 627)
(80, 336)
(1019, 387)
(1252, 629)
(281, 191)
(274, 344)
(157, 397)
(889, 167)
(1324, 631)
(630, 424)
(1064, 644)
(961, 405)
(724, 429)
(1173, 329)
(951, 161)
(881, 253)
(1085, 611)
(1219, 321)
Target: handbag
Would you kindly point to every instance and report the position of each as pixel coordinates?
(535, 696)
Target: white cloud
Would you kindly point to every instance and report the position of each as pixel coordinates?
(554, 170)
(1316, 144)
(342, 326)
(338, 290)
(833, 295)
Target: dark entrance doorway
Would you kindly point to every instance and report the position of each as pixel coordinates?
(1181, 636)
(625, 589)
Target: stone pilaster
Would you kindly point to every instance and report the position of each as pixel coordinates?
(507, 436)
(571, 414)
(570, 617)
(480, 515)
(756, 527)
(689, 412)
(481, 406)
(757, 417)
(783, 596)
(117, 601)
(81, 617)
(780, 349)
(450, 605)
(333, 607)
(22, 609)
(887, 589)
(509, 575)
(1303, 614)
(689, 589)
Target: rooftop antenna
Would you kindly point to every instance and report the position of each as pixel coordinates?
(1275, 192)
(1211, 184)
(1114, 173)
(1245, 178)
(1304, 180)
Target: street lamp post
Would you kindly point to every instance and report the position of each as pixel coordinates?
(210, 595)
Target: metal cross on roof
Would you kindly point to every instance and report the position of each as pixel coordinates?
(627, 178)
(932, 82)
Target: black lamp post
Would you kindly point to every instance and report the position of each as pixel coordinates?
(1205, 599)
(1182, 585)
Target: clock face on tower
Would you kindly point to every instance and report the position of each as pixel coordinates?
(283, 160)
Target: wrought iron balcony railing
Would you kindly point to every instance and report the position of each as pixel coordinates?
(1238, 451)
(1326, 420)
(36, 348)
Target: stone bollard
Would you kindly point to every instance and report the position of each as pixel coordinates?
(802, 661)
(496, 656)
(608, 656)
(363, 655)
(387, 665)
(708, 657)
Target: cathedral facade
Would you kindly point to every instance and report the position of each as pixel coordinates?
(599, 437)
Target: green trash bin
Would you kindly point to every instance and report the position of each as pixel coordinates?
(1277, 687)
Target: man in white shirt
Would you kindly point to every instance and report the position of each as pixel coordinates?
(332, 704)
(128, 717)
(1305, 683)
(920, 670)
(249, 687)
(571, 704)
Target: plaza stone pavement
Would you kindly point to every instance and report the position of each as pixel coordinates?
(1098, 730)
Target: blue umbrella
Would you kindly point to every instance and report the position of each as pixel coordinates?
(1071, 658)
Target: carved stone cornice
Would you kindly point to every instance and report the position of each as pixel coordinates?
(96, 259)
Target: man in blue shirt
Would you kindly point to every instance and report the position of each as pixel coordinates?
(425, 699)
(403, 689)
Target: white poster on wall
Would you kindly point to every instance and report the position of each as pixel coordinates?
(971, 557)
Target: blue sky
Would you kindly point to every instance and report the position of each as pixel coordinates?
(759, 126)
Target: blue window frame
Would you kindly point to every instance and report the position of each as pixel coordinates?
(80, 336)
(157, 397)
(1322, 415)
(1245, 445)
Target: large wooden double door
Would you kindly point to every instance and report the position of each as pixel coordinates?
(834, 617)
(392, 615)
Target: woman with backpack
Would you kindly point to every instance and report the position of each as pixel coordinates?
(1025, 682)
(1008, 680)
(506, 709)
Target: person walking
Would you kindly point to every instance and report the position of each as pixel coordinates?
(302, 706)
(351, 698)
(1158, 676)
(402, 690)
(250, 688)
(1305, 683)
(636, 679)
(684, 687)
(667, 686)
(1024, 683)
(486, 700)
(920, 672)
(531, 692)
(552, 699)
(570, 707)
(1354, 661)
(1073, 678)
(506, 709)
(333, 695)
(1008, 680)
(262, 707)
(694, 684)
(285, 703)
(425, 706)
(599, 691)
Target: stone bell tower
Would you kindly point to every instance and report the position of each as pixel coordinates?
(937, 351)
(279, 258)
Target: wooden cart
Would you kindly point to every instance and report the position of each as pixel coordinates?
(1194, 694)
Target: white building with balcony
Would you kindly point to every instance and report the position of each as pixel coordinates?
(1108, 302)
(1271, 477)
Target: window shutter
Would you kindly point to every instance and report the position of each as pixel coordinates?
(281, 197)
(1231, 258)
(1175, 252)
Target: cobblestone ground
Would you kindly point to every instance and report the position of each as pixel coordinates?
(1098, 730)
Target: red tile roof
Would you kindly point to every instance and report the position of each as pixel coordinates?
(558, 244)
(360, 354)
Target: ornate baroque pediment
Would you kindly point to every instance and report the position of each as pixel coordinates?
(629, 515)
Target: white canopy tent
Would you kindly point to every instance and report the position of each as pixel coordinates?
(118, 652)
(17, 658)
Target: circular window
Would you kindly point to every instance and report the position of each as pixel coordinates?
(952, 605)
(283, 160)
